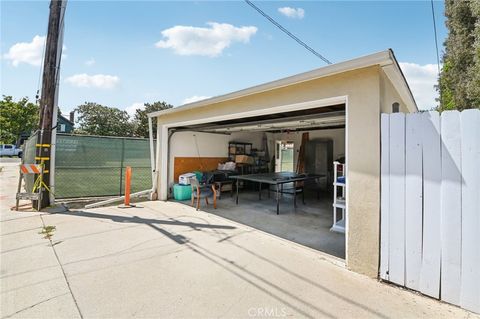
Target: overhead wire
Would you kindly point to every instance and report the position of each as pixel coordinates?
(40, 71)
(291, 35)
(436, 39)
(436, 49)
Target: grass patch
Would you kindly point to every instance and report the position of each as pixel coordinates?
(47, 231)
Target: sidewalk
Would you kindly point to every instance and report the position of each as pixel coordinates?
(165, 259)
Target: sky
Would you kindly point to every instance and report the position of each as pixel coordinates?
(123, 54)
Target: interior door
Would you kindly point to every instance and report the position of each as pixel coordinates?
(284, 156)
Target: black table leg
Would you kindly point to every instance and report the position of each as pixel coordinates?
(294, 198)
(259, 191)
(278, 200)
(237, 193)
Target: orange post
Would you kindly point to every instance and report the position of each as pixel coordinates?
(128, 178)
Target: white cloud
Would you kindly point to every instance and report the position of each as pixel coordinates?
(27, 52)
(421, 79)
(132, 108)
(90, 62)
(293, 13)
(195, 98)
(101, 81)
(211, 41)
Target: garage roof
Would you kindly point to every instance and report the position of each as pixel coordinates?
(385, 59)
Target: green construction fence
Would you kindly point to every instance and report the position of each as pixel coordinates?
(91, 166)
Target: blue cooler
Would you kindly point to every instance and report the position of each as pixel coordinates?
(182, 192)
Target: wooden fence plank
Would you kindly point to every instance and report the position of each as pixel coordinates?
(451, 207)
(413, 200)
(385, 195)
(430, 274)
(397, 199)
(470, 282)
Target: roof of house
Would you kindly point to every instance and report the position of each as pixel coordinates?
(386, 59)
(65, 119)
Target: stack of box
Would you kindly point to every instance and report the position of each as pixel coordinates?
(244, 159)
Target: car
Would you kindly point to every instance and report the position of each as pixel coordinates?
(10, 150)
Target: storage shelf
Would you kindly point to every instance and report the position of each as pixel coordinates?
(339, 199)
(339, 226)
(239, 148)
(340, 203)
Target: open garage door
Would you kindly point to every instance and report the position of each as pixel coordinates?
(304, 201)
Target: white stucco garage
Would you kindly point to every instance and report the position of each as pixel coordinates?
(341, 103)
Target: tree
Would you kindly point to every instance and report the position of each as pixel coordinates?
(16, 118)
(140, 119)
(459, 82)
(96, 119)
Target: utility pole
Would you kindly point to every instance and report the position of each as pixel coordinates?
(48, 99)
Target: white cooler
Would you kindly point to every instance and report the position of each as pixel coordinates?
(184, 179)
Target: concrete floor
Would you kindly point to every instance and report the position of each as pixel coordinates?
(166, 260)
(308, 225)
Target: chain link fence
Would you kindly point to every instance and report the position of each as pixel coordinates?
(88, 166)
(91, 166)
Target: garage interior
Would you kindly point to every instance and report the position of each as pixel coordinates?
(304, 141)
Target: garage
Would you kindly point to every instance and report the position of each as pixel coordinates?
(263, 147)
(306, 151)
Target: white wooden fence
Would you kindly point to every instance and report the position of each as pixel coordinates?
(430, 204)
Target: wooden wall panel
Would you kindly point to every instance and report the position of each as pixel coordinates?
(184, 165)
(397, 199)
(385, 197)
(413, 200)
(470, 145)
(442, 205)
(451, 207)
(432, 177)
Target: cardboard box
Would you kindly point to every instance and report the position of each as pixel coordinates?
(244, 159)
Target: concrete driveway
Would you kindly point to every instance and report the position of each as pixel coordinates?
(165, 259)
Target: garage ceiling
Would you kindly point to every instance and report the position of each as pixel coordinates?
(311, 119)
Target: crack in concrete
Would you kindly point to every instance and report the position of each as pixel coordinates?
(34, 305)
(64, 274)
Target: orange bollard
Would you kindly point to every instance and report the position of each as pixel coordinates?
(128, 178)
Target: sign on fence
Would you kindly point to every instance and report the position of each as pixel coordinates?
(430, 204)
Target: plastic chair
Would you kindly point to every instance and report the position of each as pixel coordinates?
(203, 191)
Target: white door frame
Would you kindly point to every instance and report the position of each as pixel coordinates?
(279, 157)
(162, 141)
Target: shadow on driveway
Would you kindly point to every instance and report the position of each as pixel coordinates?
(151, 222)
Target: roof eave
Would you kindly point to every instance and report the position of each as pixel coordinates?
(382, 58)
(396, 76)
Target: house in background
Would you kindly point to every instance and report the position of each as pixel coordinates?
(65, 125)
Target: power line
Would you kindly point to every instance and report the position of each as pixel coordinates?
(436, 41)
(278, 25)
(438, 56)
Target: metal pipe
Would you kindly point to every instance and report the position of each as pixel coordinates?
(117, 199)
(152, 151)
